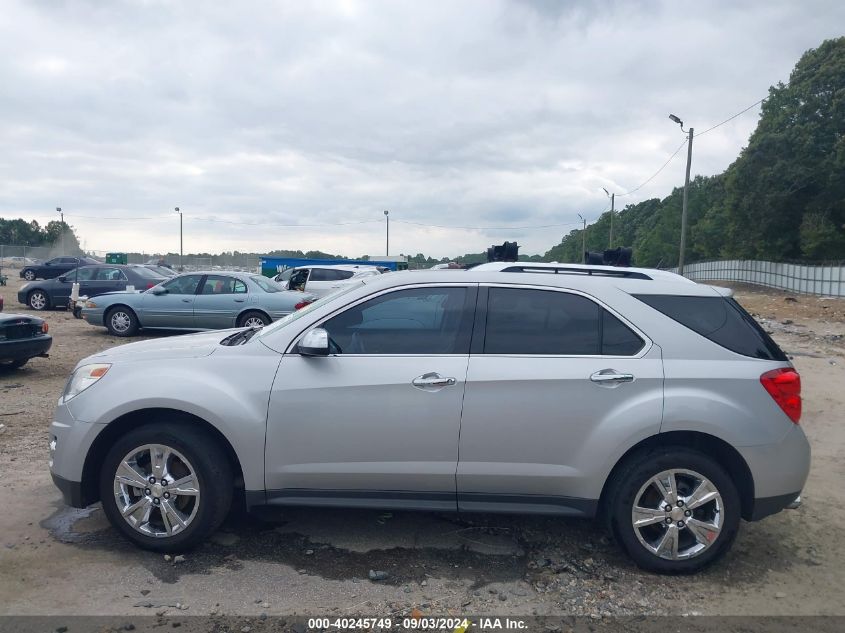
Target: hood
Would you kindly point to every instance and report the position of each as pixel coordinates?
(166, 347)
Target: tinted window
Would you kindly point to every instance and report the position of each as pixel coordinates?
(80, 274)
(414, 321)
(720, 320)
(540, 322)
(184, 285)
(521, 321)
(617, 338)
(322, 274)
(146, 273)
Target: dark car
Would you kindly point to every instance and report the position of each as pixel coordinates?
(22, 337)
(93, 281)
(54, 267)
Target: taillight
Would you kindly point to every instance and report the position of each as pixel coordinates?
(150, 286)
(784, 386)
(45, 328)
(302, 304)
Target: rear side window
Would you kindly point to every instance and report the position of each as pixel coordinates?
(524, 321)
(719, 319)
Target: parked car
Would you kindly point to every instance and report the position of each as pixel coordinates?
(164, 271)
(54, 267)
(22, 337)
(635, 395)
(322, 280)
(93, 280)
(196, 301)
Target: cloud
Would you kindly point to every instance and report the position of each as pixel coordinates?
(476, 113)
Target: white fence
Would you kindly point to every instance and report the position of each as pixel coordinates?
(827, 281)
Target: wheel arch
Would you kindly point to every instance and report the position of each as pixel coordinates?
(135, 419)
(249, 309)
(712, 446)
(114, 306)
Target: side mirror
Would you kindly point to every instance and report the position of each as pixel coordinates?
(158, 290)
(314, 343)
(63, 279)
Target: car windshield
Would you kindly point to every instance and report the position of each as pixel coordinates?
(267, 285)
(293, 316)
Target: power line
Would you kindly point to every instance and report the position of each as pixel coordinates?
(488, 228)
(732, 117)
(655, 174)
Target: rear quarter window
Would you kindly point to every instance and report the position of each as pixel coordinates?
(719, 319)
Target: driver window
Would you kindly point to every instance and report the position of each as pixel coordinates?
(412, 321)
(298, 279)
(184, 285)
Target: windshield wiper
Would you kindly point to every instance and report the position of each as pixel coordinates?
(239, 338)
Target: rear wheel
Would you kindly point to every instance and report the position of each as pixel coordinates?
(13, 364)
(38, 300)
(253, 319)
(166, 486)
(121, 321)
(674, 510)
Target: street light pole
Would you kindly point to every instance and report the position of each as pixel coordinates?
(386, 233)
(180, 238)
(612, 197)
(683, 246)
(62, 216)
(583, 239)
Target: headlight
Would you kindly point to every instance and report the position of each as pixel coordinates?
(83, 378)
(90, 304)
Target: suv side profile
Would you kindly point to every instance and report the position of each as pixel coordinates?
(653, 403)
(322, 280)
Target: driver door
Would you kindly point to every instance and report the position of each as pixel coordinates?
(370, 425)
(175, 308)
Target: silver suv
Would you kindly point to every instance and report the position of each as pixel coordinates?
(632, 395)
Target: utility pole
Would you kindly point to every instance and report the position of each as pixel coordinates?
(180, 238)
(683, 246)
(386, 233)
(612, 197)
(583, 240)
(62, 216)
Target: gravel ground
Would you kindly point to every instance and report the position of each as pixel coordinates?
(55, 560)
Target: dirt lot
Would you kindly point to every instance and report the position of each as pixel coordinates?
(55, 560)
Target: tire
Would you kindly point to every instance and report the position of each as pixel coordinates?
(38, 300)
(253, 318)
(701, 537)
(121, 321)
(29, 275)
(192, 452)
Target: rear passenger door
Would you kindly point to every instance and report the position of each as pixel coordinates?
(219, 301)
(106, 279)
(322, 281)
(555, 383)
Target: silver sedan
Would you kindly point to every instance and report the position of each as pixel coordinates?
(196, 301)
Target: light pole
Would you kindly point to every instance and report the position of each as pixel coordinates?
(386, 233)
(583, 239)
(683, 246)
(62, 216)
(180, 238)
(612, 197)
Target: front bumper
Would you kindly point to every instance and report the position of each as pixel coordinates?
(70, 444)
(71, 491)
(19, 349)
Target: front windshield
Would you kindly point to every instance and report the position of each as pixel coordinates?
(293, 316)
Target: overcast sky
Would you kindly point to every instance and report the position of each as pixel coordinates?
(454, 113)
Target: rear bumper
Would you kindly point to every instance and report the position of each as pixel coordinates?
(20, 349)
(768, 506)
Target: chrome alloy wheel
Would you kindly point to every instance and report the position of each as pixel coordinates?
(38, 301)
(120, 321)
(678, 514)
(156, 490)
(254, 322)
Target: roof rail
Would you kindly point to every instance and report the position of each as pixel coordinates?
(567, 270)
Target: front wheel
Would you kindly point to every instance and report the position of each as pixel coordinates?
(121, 321)
(29, 275)
(166, 486)
(674, 510)
(38, 300)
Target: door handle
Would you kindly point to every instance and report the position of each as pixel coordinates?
(187, 300)
(432, 380)
(610, 378)
(239, 300)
